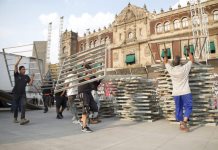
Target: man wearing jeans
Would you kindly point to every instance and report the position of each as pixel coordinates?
(19, 92)
(181, 90)
(71, 94)
(46, 91)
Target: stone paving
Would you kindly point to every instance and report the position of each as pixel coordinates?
(45, 132)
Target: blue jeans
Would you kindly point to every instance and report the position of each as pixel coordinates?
(19, 101)
(71, 100)
(183, 101)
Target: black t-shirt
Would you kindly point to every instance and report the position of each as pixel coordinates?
(46, 89)
(20, 83)
(85, 87)
(59, 93)
(95, 84)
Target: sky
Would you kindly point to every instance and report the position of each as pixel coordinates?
(25, 21)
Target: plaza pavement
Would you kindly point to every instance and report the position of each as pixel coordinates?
(45, 132)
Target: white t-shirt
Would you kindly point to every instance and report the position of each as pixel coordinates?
(73, 90)
(180, 80)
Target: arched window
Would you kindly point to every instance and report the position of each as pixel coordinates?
(159, 28)
(91, 45)
(95, 43)
(177, 24)
(167, 26)
(215, 15)
(84, 46)
(81, 47)
(185, 22)
(130, 35)
(102, 41)
(120, 36)
(140, 31)
(64, 50)
(107, 40)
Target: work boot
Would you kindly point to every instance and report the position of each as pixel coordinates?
(98, 120)
(184, 127)
(92, 121)
(58, 116)
(86, 129)
(15, 120)
(24, 121)
(60, 113)
(45, 110)
(74, 120)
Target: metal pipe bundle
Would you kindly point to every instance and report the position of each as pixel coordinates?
(135, 99)
(75, 65)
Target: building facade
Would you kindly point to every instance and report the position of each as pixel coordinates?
(40, 47)
(131, 36)
(69, 45)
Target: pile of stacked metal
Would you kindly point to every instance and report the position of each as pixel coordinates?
(106, 109)
(212, 119)
(136, 99)
(164, 92)
(201, 87)
(106, 100)
(79, 106)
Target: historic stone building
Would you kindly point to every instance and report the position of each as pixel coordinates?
(68, 45)
(134, 28)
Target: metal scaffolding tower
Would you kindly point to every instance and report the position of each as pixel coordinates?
(60, 36)
(48, 43)
(199, 21)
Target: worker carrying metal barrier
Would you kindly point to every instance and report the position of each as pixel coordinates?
(85, 68)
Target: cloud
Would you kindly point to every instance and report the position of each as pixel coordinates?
(86, 21)
(181, 2)
(53, 18)
(45, 20)
(75, 23)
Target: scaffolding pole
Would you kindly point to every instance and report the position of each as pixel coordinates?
(199, 21)
(60, 37)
